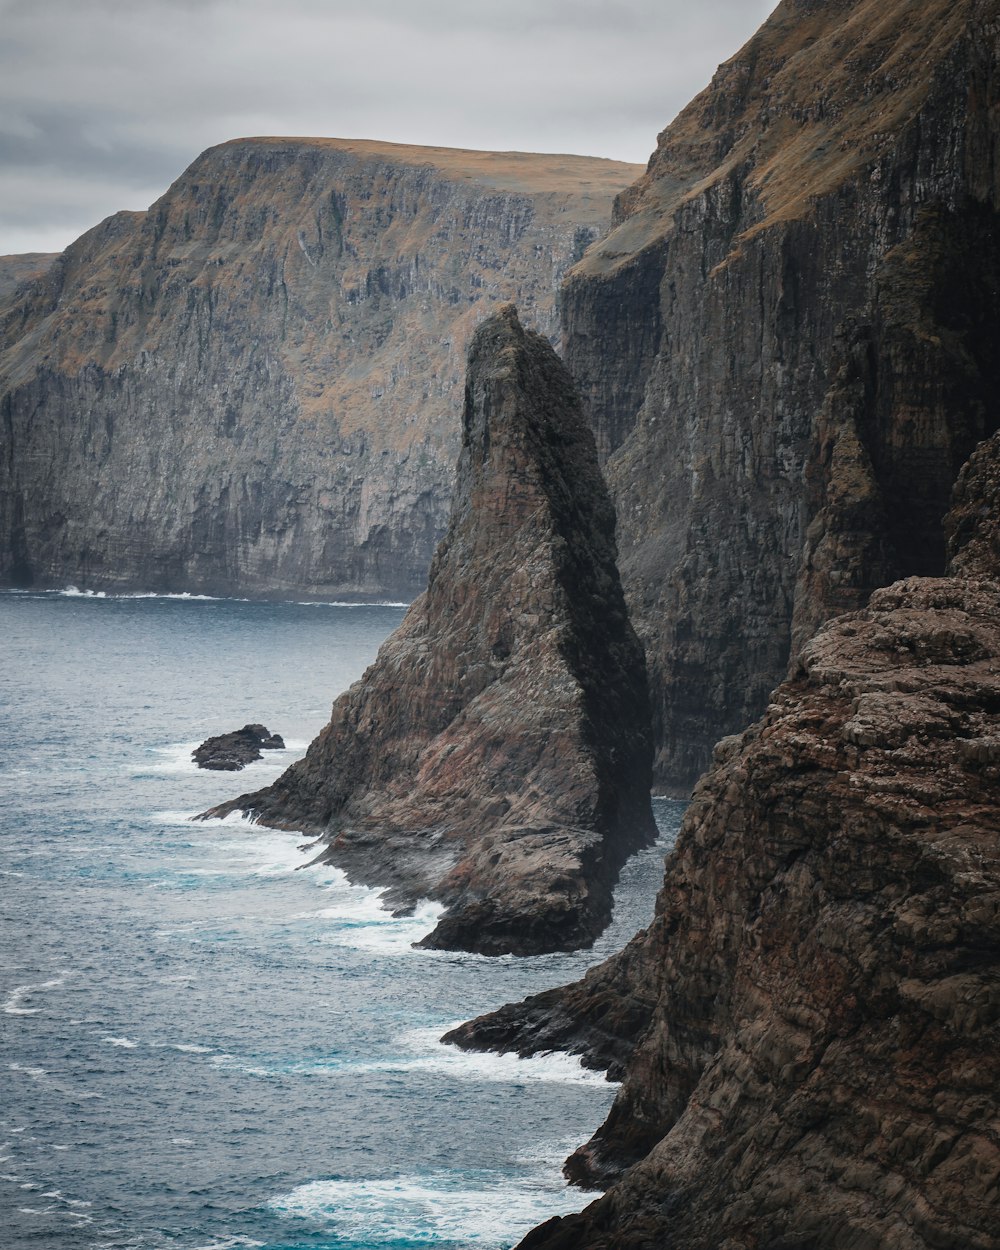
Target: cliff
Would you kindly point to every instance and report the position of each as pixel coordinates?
(496, 757)
(23, 267)
(254, 388)
(809, 1030)
(786, 345)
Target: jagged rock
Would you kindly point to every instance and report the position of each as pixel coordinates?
(809, 1030)
(232, 751)
(254, 388)
(814, 1015)
(496, 756)
(787, 344)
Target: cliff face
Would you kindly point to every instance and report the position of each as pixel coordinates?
(787, 343)
(255, 386)
(23, 267)
(496, 756)
(809, 1031)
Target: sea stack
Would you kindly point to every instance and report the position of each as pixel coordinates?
(496, 757)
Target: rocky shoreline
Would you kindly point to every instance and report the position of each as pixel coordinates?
(809, 1031)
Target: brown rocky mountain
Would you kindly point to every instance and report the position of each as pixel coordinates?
(809, 1030)
(23, 267)
(787, 345)
(496, 756)
(255, 387)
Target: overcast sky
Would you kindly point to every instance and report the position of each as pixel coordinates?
(104, 102)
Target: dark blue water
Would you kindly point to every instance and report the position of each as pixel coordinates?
(200, 1045)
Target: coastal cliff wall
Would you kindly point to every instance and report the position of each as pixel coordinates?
(255, 387)
(809, 1031)
(787, 343)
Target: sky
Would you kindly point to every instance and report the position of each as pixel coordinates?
(103, 103)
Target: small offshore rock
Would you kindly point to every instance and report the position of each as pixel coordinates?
(232, 751)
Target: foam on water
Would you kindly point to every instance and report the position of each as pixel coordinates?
(440, 1208)
(184, 596)
(124, 1043)
(432, 1055)
(74, 592)
(336, 603)
(363, 923)
(12, 1004)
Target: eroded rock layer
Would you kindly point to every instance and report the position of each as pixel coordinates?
(787, 345)
(496, 757)
(254, 388)
(809, 1030)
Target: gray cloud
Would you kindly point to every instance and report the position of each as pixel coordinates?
(103, 104)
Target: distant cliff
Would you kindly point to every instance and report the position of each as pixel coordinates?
(788, 343)
(255, 387)
(809, 1031)
(496, 756)
(23, 267)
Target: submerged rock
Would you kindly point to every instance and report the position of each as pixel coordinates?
(233, 751)
(496, 757)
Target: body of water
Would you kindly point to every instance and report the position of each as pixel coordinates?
(200, 1044)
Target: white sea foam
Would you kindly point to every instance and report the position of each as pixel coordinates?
(337, 603)
(12, 1004)
(174, 758)
(483, 1209)
(125, 1043)
(229, 1243)
(189, 1048)
(74, 592)
(429, 1054)
(36, 1074)
(359, 920)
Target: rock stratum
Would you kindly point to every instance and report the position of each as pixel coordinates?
(255, 387)
(496, 757)
(809, 1031)
(787, 343)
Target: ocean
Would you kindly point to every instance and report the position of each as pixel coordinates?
(203, 1043)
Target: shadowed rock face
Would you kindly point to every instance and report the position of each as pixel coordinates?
(787, 344)
(809, 1030)
(255, 387)
(496, 756)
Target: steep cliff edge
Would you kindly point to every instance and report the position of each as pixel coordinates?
(23, 267)
(255, 386)
(787, 343)
(496, 757)
(809, 1031)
